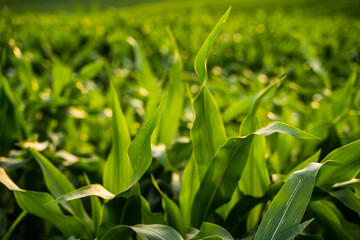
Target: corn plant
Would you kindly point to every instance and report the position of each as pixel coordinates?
(226, 190)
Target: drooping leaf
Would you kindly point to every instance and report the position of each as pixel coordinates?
(201, 57)
(336, 226)
(208, 230)
(280, 127)
(289, 205)
(118, 172)
(146, 232)
(89, 190)
(348, 198)
(349, 158)
(59, 185)
(35, 203)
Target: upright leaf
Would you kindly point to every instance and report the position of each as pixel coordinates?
(207, 132)
(289, 205)
(201, 58)
(172, 111)
(117, 175)
(140, 148)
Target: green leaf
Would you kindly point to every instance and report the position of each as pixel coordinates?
(212, 230)
(146, 232)
(348, 156)
(289, 205)
(140, 148)
(207, 132)
(90, 70)
(172, 213)
(293, 232)
(124, 209)
(148, 217)
(336, 226)
(220, 179)
(61, 75)
(58, 185)
(348, 198)
(313, 158)
(117, 176)
(169, 122)
(89, 190)
(35, 203)
(341, 98)
(201, 57)
(280, 127)
(250, 123)
(189, 185)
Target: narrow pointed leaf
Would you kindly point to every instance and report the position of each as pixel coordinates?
(146, 232)
(293, 232)
(200, 60)
(280, 127)
(289, 205)
(89, 190)
(140, 148)
(117, 175)
(169, 122)
(59, 185)
(221, 178)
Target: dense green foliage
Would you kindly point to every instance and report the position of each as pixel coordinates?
(186, 124)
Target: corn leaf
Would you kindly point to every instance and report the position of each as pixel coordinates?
(140, 148)
(349, 157)
(89, 190)
(208, 230)
(337, 227)
(117, 176)
(172, 213)
(348, 198)
(289, 205)
(280, 127)
(148, 232)
(35, 203)
(208, 132)
(59, 185)
(293, 232)
(201, 57)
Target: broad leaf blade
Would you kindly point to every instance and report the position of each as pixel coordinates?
(200, 60)
(212, 230)
(289, 205)
(221, 178)
(207, 132)
(348, 198)
(117, 175)
(349, 157)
